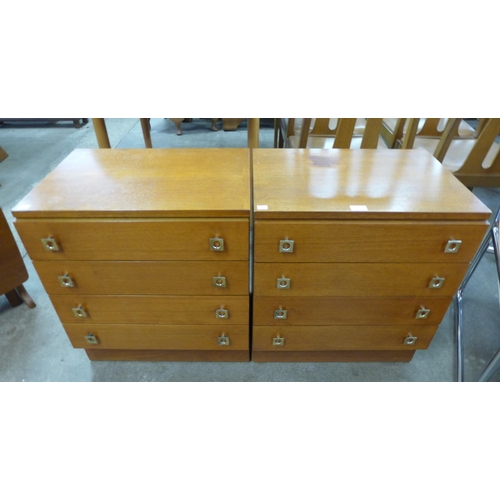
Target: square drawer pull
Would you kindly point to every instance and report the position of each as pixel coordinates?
(91, 339)
(66, 281)
(452, 246)
(80, 312)
(286, 246)
(410, 340)
(219, 281)
(217, 244)
(51, 244)
(283, 283)
(280, 313)
(223, 340)
(279, 341)
(422, 313)
(222, 313)
(436, 282)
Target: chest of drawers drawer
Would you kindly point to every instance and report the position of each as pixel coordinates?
(136, 239)
(304, 310)
(147, 277)
(366, 241)
(152, 309)
(159, 337)
(336, 280)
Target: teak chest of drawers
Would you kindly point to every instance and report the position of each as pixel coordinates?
(357, 253)
(145, 253)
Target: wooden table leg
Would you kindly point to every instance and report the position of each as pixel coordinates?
(101, 133)
(146, 127)
(3, 154)
(253, 132)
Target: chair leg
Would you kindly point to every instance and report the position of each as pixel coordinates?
(146, 127)
(25, 296)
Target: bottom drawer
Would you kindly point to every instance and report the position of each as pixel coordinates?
(166, 337)
(318, 338)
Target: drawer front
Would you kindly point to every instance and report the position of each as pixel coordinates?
(350, 241)
(177, 239)
(274, 311)
(144, 278)
(347, 280)
(319, 338)
(152, 310)
(158, 337)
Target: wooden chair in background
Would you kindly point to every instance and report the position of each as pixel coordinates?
(474, 161)
(348, 134)
(393, 129)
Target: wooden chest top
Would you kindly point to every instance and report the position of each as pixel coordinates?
(144, 183)
(358, 184)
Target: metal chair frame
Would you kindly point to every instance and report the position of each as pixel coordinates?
(494, 364)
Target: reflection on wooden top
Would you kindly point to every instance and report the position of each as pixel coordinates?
(358, 184)
(144, 183)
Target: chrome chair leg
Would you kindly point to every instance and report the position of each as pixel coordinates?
(490, 237)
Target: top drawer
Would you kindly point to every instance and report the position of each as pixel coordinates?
(367, 241)
(135, 239)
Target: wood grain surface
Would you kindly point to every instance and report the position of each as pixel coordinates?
(335, 183)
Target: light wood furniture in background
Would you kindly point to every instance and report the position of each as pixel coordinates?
(3, 154)
(145, 254)
(103, 138)
(13, 272)
(349, 133)
(358, 253)
(474, 161)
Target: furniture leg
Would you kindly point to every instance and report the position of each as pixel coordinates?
(3, 154)
(214, 126)
(146, 128)
(101, 132)
(13, 298)
(178, 122)
(23, 293)
(253, 132)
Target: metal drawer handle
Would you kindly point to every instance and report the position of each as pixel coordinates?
(66, 281)
(280, 341)
(422, 313)
(222, 313)
(219, 281)
(410, 340)
(280, 313)
(452, 246)
(91, 339)
(217, 244)
(286, 246)
(436, 282)
(283, 283)
(80, 312)
(223, 340)
(51, 244)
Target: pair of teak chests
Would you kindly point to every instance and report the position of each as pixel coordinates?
(263, 254)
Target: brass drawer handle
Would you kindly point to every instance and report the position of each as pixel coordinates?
(283, 283)
(286, 246)
(422, 313)
(51, 244)
(66, 281)
(217, 244)
(410, 340)
(279, 341)
(436, 282)
(223, 340)
(219, 281)
(452, 246)
(222, 313)
(280, 313)
(80, 312)
(91, 339)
